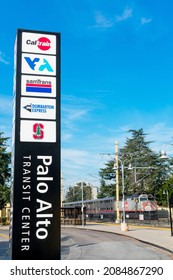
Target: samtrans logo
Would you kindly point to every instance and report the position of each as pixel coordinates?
(42, 43)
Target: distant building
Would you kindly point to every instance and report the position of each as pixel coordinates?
(94, 191)
(5, 212)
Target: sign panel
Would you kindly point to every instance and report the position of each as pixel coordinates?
(38, 108)
(36, 177)
(38, 131)
(38, 43)
(38, 86)
(38, 64)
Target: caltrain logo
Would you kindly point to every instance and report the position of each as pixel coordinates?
(38, 129)
(39, 43)
(42, 43)
(36, 86)
(39, 64)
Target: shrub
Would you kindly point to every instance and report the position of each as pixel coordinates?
(4, 220)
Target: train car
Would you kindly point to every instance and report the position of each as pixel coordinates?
(141, 206)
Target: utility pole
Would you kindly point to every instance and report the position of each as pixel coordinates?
(82, 204)
(61, 189)
(117, 183)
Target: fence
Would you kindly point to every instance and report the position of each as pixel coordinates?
(72, 216)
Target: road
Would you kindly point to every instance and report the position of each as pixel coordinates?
(78, 244)
(94, 245)
(4, 244)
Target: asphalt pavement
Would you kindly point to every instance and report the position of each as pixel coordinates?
(154, 235)
(158, 236)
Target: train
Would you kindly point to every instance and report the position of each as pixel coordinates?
(142, 207)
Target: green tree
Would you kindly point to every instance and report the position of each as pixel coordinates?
(147, 173)
(5, 160)
(107, 175)
(167, 188)
(4, 196)
(75, 193)
(148, 169)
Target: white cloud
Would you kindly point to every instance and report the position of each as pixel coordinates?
(6, 115)
(71, 116)
(75, 114)
(6, 104)
(127, 13)
(74, 110)
(78, 163)
(75, 157)
(66, 136)
(145, 20)
(3, 58)
(102, 21)
(162, 136)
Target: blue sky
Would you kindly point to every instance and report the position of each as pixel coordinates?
(116, 74)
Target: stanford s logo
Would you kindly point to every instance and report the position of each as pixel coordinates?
(38, 131)
(41, 63)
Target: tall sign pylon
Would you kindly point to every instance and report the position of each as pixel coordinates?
(36, 178)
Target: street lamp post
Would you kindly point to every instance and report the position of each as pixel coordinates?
(167, 197)
(82, 198)
(124, 226)
(117, 184)
(164, 156)
(82, 205)
(123, 200)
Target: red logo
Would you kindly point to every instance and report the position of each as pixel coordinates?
(44, 43)
(38, 131)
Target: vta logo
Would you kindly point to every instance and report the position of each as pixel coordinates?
(38, 131)
(33, 63)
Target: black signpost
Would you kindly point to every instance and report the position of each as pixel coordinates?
(170, 213)
(35, 221)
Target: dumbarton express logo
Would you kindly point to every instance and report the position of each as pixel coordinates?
(43, 43)
(38, 129)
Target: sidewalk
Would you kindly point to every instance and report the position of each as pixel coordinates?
(157, 236)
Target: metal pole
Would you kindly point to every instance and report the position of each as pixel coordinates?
(82, 205)
(117, 184)
(167, 194)
(122, 166)
(61, 189)
(135, 174)
(170, 212)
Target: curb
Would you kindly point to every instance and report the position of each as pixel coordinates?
(134, 238)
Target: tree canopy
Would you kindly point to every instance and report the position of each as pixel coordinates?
(5, 171)
(75, 193)
(144, 171)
